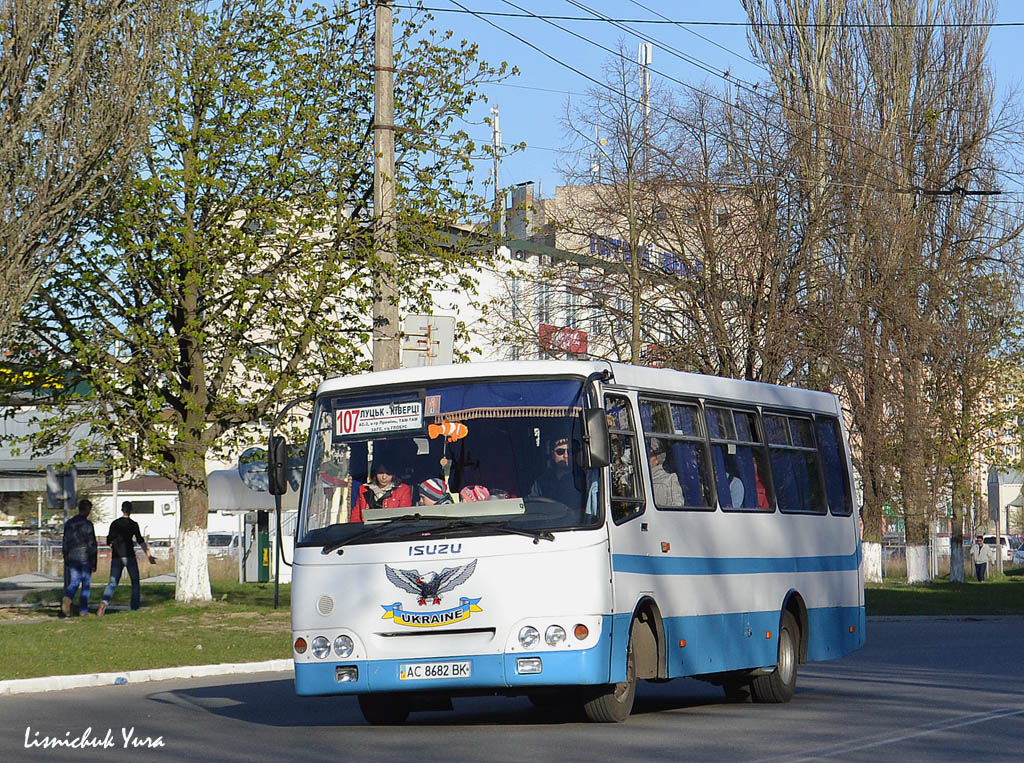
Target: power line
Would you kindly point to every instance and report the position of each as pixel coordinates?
(694, 88)
(608, 87)
(753, 89)
(669, 22)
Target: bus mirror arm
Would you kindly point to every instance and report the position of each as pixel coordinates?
(595, 424)
(277, 452)
(277, 465)
(595, 439)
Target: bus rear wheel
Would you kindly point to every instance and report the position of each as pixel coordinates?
(384, 709)
(615, 702)
(780, 684)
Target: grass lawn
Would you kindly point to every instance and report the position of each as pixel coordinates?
(998, 596)
(240, 625)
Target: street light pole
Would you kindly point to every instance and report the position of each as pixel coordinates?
(39, 534)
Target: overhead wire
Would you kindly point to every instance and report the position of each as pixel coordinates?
(630, 98)
(696, 22)
(870, 150)
(694, 88)
(619, 23)
(752, 88)
(828, 96)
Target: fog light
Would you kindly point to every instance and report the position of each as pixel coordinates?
(580, 632)
(528, 665)
(528, 636)
(343, 646)
(554, 635)
(300, 645)
(320, 647)
(346, 674)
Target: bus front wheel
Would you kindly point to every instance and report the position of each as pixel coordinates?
(780, 684)
(384, 709)
(615, 702)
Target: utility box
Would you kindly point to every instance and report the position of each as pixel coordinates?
(256, 547)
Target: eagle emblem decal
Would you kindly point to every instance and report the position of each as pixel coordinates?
(428, 587)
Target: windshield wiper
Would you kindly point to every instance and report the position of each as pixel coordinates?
(502, 527)
(377, 529)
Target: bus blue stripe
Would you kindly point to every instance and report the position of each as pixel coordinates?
(697, 565)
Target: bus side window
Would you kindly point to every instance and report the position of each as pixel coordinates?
(674, 430)
(739, 459)
(795, 466)
(627, 496)
(833, 463)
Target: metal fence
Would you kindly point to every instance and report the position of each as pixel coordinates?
(18, 559)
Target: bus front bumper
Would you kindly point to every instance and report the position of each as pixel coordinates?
(488, 671)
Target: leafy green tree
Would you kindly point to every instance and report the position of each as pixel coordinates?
(73, 106)
(237, 267)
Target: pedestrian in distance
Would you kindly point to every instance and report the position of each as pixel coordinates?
(121, 539)
(981, 555)
(79, 551)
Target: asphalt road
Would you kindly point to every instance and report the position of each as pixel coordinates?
(921, 690)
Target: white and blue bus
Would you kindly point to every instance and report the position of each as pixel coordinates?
(562, 529)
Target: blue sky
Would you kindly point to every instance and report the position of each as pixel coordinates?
(532, 104)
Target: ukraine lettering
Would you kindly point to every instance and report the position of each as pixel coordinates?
(457, 614)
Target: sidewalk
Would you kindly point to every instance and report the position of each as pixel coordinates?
(14, 588)
(59, 683)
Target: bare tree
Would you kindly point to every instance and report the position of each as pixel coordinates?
(896, 111)
(74, 83)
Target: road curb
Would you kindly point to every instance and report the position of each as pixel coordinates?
(59, 683)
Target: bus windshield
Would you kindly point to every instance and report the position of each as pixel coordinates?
(459, 457)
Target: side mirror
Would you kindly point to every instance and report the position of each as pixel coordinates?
(595, 438)
(277, 466)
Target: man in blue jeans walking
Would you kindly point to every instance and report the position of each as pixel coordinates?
(121, 538)
(79, 551)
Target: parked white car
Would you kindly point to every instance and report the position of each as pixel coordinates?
(990, 540)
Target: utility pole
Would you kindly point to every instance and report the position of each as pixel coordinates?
(386, 344)
(646, 57)
(499, 206)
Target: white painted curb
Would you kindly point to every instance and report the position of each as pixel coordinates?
(57, 683)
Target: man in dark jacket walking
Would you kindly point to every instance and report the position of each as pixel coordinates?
(121, 538)
(79, 552)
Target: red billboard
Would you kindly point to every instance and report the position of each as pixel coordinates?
(561, 339)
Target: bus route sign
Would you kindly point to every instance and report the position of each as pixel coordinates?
(376, 419)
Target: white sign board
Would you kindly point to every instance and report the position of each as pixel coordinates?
(375, 419)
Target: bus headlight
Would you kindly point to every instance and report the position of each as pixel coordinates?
(528, 636)
(554, 635)
(343, 646)
(320, 647)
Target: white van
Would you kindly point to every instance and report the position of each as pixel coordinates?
(222, 544)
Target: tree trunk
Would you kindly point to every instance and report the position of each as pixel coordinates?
(956, 558)
(961, 491)
(871, 512)
(912, 473)
(918, 569)
(872, 561)
(190, 565)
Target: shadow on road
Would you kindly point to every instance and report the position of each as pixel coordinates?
(274, 703)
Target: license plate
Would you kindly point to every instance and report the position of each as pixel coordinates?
(421, 671)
